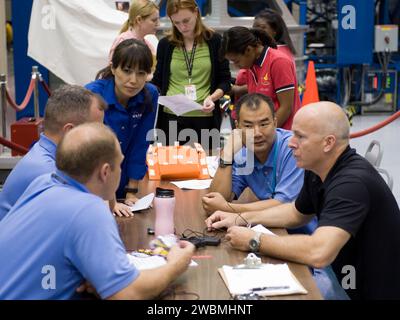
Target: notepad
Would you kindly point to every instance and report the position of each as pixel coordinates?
(276, 279)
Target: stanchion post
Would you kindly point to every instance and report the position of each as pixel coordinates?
(35, 76)
(3, 106)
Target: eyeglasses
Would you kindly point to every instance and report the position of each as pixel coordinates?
(184, 22)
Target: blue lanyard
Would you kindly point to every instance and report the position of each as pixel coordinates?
(275, 151)
(66, 180)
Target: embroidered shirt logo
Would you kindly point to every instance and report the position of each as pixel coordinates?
(265, 79)
(136, 115)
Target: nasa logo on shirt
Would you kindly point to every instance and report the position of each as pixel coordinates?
(136, 115)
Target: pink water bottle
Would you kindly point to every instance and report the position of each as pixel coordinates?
(164, 205)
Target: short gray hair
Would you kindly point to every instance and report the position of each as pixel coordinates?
(69, 104)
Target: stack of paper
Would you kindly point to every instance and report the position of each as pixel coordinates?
(268, 280)
(193, 184)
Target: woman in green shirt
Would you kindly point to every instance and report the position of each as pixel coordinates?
(188, 63)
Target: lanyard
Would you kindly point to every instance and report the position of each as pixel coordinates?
(59, 179)
(190, 60)
(275, 151)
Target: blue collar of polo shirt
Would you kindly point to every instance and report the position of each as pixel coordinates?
(111, 98)
(48, 145)
(63, 178)
(260, 60)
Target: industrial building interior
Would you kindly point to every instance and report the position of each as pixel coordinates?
(353, 44)
(278, 207)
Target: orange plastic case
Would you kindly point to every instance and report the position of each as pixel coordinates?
(176, 162)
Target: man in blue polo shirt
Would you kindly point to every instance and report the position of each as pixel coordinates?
(265, 165)
(72, 236)
(67, 107)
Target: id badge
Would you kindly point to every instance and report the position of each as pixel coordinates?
(190, 92)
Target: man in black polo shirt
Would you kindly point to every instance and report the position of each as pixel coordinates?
(358, 217)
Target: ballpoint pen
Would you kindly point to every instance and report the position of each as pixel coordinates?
(269, 288)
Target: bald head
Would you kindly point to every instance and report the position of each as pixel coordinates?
(327, 118)
(85, 148)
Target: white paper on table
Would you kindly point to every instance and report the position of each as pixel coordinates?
(143, 203)
(179, 103)
(212, 164)
(262, 229)
(143, 261)
(276, 277)
(193, 184)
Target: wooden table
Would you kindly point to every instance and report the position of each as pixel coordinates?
(203, 280)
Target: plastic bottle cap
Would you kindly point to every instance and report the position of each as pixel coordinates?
(164, 193)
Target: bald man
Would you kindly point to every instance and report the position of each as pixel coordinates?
(358, 216)
(61, 233)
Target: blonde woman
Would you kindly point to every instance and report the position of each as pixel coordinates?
(144, 19)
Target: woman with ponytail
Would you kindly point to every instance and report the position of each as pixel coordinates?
(144, 19)
(270, 71)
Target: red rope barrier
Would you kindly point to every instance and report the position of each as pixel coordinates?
(45, 86)
(13, 146)
(375, 127)
(24, 103)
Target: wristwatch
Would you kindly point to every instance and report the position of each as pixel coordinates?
(131, 190)
(223, 163)
(254, 243)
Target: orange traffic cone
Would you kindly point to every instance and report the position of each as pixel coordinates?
(311, 89)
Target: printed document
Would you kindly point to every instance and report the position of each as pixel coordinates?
(179, 104)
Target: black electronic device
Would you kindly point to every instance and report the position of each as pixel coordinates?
(202, 241)
(196, 241)
(211, 241)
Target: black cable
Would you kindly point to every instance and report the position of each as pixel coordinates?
(171, 292)
(239, 214)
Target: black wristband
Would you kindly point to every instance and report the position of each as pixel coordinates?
(223, 163)
(131, 190)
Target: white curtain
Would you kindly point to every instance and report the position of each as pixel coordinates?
(72, 38)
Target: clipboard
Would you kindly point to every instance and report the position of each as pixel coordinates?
(294, 286)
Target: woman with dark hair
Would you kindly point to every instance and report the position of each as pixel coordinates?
(272, 23)
(188, 63)
(269, 71)
(131, 113)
